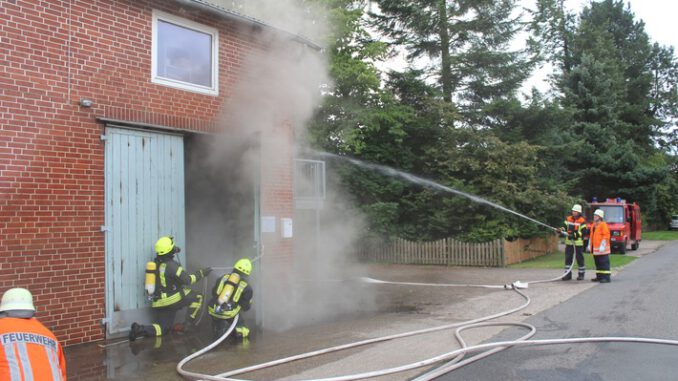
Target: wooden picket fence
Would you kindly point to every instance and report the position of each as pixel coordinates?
(451, 252)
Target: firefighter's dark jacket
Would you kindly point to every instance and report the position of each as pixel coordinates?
(239, 301)
(172, 282)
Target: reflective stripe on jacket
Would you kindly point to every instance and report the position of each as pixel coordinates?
(578, 225)
(29, 351)
(172, 283)
(600, 239)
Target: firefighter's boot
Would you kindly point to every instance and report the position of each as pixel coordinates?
(242, 332)
(135, 331)
(580, 276)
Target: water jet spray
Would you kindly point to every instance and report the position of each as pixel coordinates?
(392, 172)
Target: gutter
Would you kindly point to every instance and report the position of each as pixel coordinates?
(232, 15)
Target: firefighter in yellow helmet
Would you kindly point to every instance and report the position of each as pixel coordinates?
(172, 291)
(231, 295)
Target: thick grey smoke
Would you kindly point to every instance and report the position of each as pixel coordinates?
(278, 85)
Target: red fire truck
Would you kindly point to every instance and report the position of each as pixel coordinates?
(624, 221)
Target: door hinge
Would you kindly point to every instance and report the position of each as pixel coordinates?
(103, 138)
(104, 228)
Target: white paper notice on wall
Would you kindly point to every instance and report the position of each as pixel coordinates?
(268, 224)
(286, 227)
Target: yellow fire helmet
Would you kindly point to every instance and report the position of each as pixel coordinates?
(244, 265)
(164, 245)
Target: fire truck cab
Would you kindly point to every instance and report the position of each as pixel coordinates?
(624, 221)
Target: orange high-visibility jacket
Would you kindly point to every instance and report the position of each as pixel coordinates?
(29, 351)
(599, 234)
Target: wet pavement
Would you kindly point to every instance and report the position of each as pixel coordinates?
(396, 309)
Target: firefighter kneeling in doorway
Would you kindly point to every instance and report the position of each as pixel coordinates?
(576, 230)
(230, 295)
(168, 287)
(600, 247)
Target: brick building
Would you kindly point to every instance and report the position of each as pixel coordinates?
(106, 107)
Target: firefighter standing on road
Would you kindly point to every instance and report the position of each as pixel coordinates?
(172, 291)
(600, 247)
(28, 350)
(576, 230)
(230, 295)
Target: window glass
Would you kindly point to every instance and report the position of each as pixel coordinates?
(184, 54)
(614, 214)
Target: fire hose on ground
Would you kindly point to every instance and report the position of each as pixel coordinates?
(452, 360)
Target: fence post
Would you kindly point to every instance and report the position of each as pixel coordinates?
(426, 252)
(441, 252)
(465, 254)
(457, 253)
(448, 251)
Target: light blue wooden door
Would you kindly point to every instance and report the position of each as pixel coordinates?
(144, 200)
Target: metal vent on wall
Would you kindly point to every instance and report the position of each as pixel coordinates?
(309, 183)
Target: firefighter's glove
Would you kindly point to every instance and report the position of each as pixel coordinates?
(205, 272)
(576, 235)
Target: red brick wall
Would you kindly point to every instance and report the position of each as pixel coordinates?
(53, 53)
(277, 200)
(277, 183)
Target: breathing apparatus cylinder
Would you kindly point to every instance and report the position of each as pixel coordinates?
(149, 283)
(229, 287)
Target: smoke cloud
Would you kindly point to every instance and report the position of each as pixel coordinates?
(278, 85)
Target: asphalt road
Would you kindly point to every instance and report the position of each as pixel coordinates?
(641, 301)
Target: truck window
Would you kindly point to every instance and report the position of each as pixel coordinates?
(613, 214)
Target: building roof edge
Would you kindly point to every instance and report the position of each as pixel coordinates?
(233, 15)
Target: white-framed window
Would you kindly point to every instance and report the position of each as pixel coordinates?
(184, 54)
